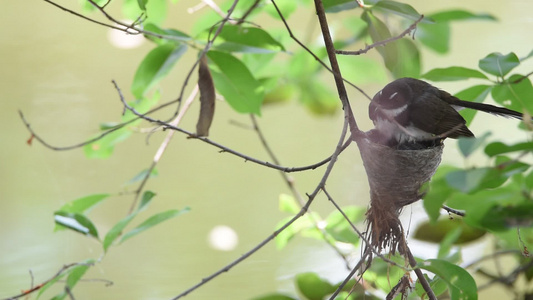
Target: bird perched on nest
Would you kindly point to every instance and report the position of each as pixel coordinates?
(411, 114)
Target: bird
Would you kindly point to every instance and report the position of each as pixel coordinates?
(412, 114)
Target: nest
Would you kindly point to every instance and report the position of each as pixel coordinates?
(395, 177)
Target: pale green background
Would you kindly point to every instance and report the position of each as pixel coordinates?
(57, 69)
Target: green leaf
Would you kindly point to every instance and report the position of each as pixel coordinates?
(502, 217)
(447, 232)
(352, 66)
(438, 286)
(334, 6)
(466, 181)
(515, 93)
(313, 287)
(145, 200)
(77, 272)
(103, 148)
(247, 39)
(142, 4)
(236, 83)
(468, 145)
(497, 148)
(50, 283)
(460, 15)
(460, 282)
(499, 64)
(169, 34)
(142, 175)
(116, 231)
(378, 32)
(435, 36)
(398, 8)
(82, 204)
(408, 59)
(155, 66)
(275, 296)
(152, 221)
(76, 222)
(288, 204)
(339, 228)
(439, 191)
(476, 93)
(453, 74)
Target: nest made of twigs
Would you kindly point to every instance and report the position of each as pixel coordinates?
(395, 177)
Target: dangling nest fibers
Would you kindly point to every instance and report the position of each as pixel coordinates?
(395, 178)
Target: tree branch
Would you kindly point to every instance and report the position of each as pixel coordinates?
(384, 42)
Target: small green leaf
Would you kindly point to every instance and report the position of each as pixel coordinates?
(469, 145)
(439, 191)
(334, 6)
(438, 286)
(497, 148)
(155, 66)
(452, 74)
(460, 282)
(515, 93)
(50, 283)
(339, 228)
(152, 221)
(466, 181)
(76, 222)
(398, 8)
(142, 175)
(83, 204)
(499, 64)
(142, 4)
(169, 34)
(236, 83)
(288, 204)
(313, 287)
(116, 231)
(77, 272)
(460, 15)
(247, 39)
(145, 200)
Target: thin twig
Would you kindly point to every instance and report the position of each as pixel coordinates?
(39, 286)
(290, 184)
(423, 281)
(226, 149)
(384, 42)
(339, 81)
(311, 197)
(162, 147)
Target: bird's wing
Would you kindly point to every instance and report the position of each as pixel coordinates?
(431, 114)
